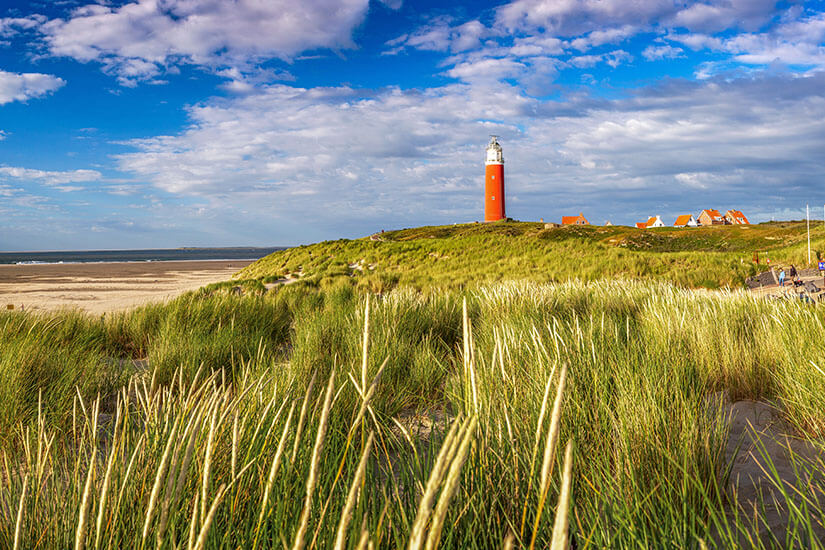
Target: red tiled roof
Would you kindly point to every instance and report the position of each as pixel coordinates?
(738, 217)
(682, 220)
(641, 225)
(571, 220)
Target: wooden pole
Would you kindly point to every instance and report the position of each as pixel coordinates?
(808, 217)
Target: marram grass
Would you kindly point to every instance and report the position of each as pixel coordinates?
(417, 421)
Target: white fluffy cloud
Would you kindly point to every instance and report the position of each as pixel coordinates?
(527, 37)
(138, 40)
(441, 34)
(10, 26)
(23, 86)
(665, 51)
(396, 157)
(799, 42)
(577, 17)
(50, 177)
(719, 15)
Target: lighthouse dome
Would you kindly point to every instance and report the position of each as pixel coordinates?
(494, 153)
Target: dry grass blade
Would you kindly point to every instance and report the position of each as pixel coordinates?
(469, 366)
(509, 541)
(273, 471)
(539, 424)
(193, 523)
(170, 495)
(367, 397)
(207, 462)
(104, 491)
(364, 541)
(422, 515)
(312, 478)
(346, 514)
(450, 486)
(209, 517)
(153, 497)
(302, 417)
(123, 483)
(549, 452)
(365, 343)
(235, 436)
(561, 524)
(553, 431)
(80, 534)
(187, 459)
(18, 526)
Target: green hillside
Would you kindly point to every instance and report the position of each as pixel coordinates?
(468, 254)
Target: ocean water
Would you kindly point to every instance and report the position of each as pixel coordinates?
(158, 255)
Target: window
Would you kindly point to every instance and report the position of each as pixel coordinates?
(492, 197)
(493, 177)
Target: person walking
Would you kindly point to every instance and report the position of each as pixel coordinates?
(793, 274)
(781, 277)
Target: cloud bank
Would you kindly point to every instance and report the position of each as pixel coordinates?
(140, 40)
(25, 86)
(337, 153)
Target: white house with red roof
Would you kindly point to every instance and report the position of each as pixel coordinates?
(710, 217)
(736, 217)
(654, 221)
(685, 220)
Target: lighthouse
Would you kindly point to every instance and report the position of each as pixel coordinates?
(494, 182)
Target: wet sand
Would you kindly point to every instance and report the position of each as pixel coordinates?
(106, 287)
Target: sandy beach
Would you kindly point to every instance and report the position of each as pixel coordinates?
(98, 288)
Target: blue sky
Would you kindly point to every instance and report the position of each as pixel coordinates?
(165, 123)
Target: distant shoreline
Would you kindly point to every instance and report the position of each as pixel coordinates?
(247, 253)
(99, 262)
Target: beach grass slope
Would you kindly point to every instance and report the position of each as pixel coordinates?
(322, 417)
(461, 256)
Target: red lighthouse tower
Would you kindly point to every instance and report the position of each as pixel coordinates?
(494, 183)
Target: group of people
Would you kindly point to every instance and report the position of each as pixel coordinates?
(793, 273)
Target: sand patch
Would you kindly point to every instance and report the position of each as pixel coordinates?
(99, 288)
(772, 471)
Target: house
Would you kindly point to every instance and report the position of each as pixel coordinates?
(574, 220)
(641, 225)
(685, 220)
(736, 217)
(608, 223)
(710, 217)
(654, 221)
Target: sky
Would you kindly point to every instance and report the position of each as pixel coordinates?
(167, 123)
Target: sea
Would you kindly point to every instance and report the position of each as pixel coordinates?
(149, 255)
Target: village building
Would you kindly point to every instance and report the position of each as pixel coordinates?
(574, 220)
(641, 225)
(654, 221)
(710, 217)
(736, 217)
(685, 220)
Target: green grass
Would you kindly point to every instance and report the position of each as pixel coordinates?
(188, 447)
(466, 256)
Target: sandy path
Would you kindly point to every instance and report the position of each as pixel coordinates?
(772, 470)
(104, 287)
(787, 291)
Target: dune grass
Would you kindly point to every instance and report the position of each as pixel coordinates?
(271, 420)
(466, 256)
